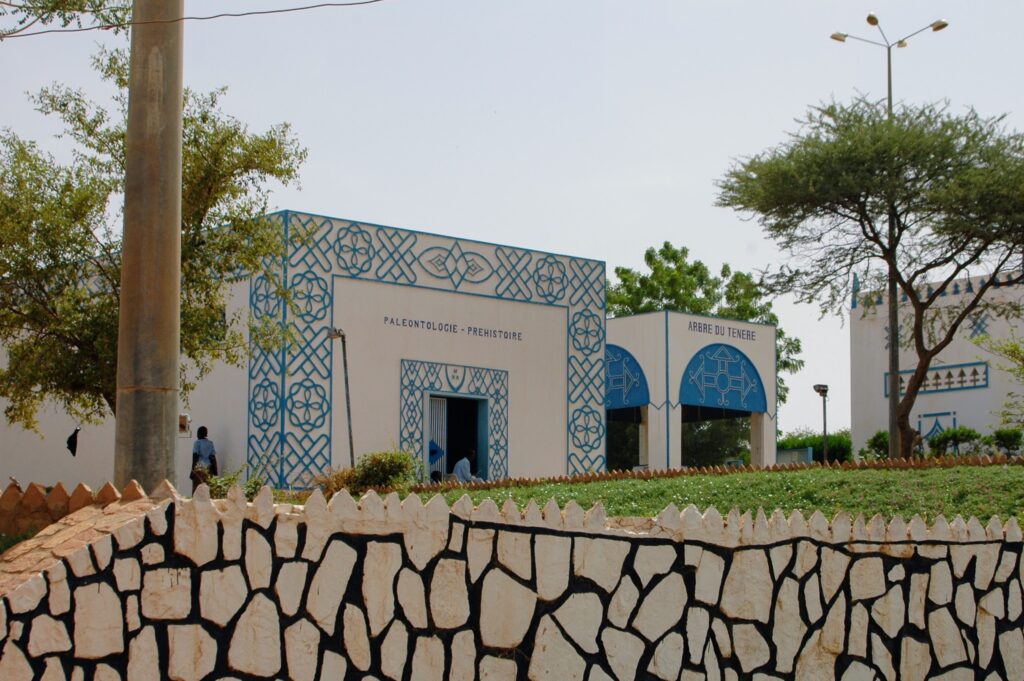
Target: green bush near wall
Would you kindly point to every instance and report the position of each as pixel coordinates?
(840, 445)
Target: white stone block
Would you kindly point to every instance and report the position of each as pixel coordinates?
(653, 560)
(945, 637)
(412, 599)
(600, 560)
(329, 584)
(383, 560)
(191, 652)
(463, 657)
(750, 648)
(393, 652)
(167, 593)
(623, 602)
(449, 594)
(256, 641)
(506, 610)
(581, 616)
(258, 560)
(514, 552)
(747, 593)
(428, 659)
(552, 564)
(708, 584)
(289, 585)
(554, 659)
(623, 651)
(357, 644)
(498, 669)
(662, 608)
(48, 636)
(98, 622)
(668, 658)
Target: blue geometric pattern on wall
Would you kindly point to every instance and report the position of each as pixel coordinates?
(456, 265)
(354, 250)
(625, 382)
(930, 425)
(720, 375)
(513, 272)
(421, 378)
(263, 299)
(979, 324)
(290, 447)
(944, 378)
(550, 279)
(587, 332)
(397, 257)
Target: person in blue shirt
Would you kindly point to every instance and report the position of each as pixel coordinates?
(204, 459)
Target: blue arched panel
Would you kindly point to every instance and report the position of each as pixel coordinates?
(625, 384)
(719, 375)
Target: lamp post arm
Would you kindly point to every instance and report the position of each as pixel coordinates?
(865, 40)
(911, 35)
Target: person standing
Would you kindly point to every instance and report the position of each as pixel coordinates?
(204, 459)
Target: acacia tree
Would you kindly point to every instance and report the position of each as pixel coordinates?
(953, 184)
(60, 240)
(678, 284)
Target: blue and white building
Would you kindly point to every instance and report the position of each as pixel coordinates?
(454, 348)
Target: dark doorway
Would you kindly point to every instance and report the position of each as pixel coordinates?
(712, 436)
(465, 430)
(624, 438)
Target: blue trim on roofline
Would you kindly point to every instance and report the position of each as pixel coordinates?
(285, 211)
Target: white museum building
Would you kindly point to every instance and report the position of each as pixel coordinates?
(965, 384)
(454, 348)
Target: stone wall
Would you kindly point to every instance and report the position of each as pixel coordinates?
(35, 508)
(382, 589)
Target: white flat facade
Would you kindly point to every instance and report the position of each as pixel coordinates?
(964, 386)
(669, 364)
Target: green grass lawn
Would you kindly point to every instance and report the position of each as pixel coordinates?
(981, 491)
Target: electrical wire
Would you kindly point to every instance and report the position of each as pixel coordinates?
(222, 15)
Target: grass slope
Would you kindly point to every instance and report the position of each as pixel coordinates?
(981, 491)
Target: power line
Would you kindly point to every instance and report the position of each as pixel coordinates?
(222, 15)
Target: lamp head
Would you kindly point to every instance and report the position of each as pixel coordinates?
(821, 389)
(839, 37)
(939, 24)
(902, 43)
(872, 19)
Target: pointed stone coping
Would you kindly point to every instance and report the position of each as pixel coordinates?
(122, 514)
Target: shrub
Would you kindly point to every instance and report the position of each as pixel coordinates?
(877, 446)
(840, 445)
(393, 469)
(1009, 440)
(220, 484)
(961, 440)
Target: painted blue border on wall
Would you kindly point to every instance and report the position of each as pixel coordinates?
(953, 376)
(290, 397)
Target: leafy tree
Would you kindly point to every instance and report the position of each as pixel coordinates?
(17, 17)
(60, 239)
(954, 186)
(675, 283)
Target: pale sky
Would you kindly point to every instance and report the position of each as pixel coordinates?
(588, 127)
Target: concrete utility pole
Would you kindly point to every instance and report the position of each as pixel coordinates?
(149, 326)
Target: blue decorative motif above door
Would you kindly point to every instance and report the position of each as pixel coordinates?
(625, 383)
(720, 375)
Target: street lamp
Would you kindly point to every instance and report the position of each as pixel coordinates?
(891, 288)
(822, 390)
(334, 334)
